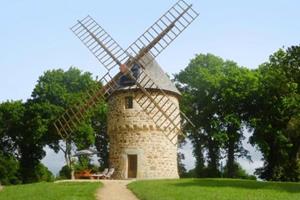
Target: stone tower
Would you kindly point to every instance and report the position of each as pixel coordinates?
(138, 148)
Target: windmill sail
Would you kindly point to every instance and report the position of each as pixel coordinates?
(160, 108)
(154, 101)
(109, 53)
(99, 42)
(67, 122)
(166, 29)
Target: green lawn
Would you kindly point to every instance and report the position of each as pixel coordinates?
(51, 191)
(214, 189)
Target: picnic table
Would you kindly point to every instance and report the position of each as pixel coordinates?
(87, 174)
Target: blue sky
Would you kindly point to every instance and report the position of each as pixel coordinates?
(35, 35)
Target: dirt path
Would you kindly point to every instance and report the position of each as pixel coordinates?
(115, 190)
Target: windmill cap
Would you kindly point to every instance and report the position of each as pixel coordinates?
(157, 75)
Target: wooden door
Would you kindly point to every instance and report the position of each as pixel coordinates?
(132, 166)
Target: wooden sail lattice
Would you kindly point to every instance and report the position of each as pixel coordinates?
(166, 29)
(164, 113)
(107, 51)
(74, 115)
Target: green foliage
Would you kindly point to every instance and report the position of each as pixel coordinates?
(212, 189)
(51, 191)
(26, 128)
(199, 87)
(44, 174)
(23, 130)
(11, 114)
(215, 96)
(240, 173)
(99, 123)
(62, 89)
(181, 168)
(33, 138)
(65, 172)
(82, 164)
(275, 116)
(221, 98)
(9, 170)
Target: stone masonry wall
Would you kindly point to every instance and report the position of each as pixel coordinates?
(132, 131)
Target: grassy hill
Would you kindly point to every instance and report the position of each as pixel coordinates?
(214, 189)
(50, 191)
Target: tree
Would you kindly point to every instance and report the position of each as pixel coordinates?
(64, 89)
(236, 88)
(215, 94)
(180, 165)
(99, 123)
(22, 129)
(11, 112)
(26, 128)
(199, 91)
(275, 121)
(33, 138)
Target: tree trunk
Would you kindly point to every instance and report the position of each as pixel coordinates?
(230, 157)
(198, 153)
(68, 157)
(233, 138)
(271, 161)
(213, 161)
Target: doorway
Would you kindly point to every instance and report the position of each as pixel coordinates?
(132, 166)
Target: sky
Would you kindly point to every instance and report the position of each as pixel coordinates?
(35, 37)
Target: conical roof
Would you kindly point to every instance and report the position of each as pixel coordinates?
(157, 74)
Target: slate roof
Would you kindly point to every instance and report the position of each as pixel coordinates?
(157, 74)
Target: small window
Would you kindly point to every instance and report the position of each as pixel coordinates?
(128, 102)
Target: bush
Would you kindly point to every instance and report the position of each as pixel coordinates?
(9, 170)
(43, 173)
(84, 163)
(189, 174)
(65, 172)
(239, 172)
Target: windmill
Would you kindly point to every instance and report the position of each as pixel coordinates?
(144, 119)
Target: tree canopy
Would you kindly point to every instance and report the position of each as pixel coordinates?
(224, 99)
(215, 97)
(275, 116)
(26, 128)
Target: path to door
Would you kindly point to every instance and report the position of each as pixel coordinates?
(115, 190)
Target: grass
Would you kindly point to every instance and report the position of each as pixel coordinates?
(214, 189)
(51, 191)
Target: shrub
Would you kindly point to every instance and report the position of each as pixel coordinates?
(9, 170)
